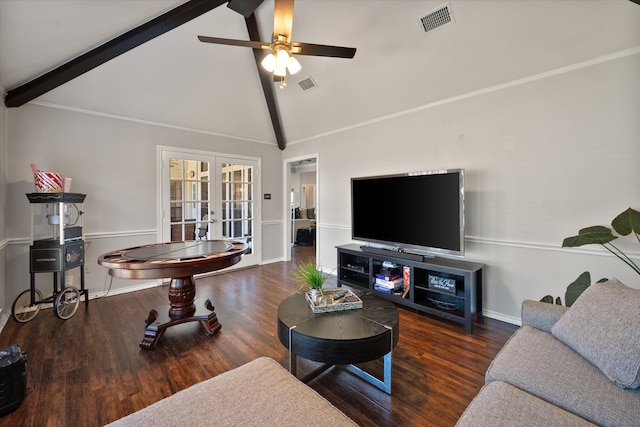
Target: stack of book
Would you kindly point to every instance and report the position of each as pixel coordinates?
(389, 280)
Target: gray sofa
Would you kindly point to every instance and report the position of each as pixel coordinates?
(575, 366)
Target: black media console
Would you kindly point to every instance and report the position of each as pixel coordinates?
(443, 287)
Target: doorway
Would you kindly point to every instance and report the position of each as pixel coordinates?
(209, 196)
(301, 190)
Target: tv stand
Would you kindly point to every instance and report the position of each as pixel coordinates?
(392, 253)
(443, 287)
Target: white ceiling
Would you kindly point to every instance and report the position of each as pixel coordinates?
(178, 81)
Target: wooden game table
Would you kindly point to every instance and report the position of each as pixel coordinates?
(179, 261)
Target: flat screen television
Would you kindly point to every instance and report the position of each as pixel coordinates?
(419, 212)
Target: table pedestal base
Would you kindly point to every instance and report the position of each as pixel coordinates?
(157, 324)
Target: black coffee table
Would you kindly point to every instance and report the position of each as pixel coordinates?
(340, 337)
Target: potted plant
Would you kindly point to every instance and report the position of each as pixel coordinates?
(626, 223)
(309, 275)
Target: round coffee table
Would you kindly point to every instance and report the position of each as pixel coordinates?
(340, 337)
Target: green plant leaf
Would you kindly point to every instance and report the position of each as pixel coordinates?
(548, 299)
(597, 234)
(308, 273)
(627, 222)
(576, 288)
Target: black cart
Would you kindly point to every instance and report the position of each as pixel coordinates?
(56, 247)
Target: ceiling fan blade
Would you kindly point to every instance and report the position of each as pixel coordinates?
(232, 42)
(244, 7)
(283, 18)
(324, 50)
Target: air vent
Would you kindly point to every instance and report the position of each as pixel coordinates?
(439, 17)
(307, 83)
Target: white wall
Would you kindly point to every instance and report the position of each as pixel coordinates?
(113, 161)
(543, 157)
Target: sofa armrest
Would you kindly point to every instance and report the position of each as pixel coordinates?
(541, 315)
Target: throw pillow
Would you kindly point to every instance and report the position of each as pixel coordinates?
(603, 326)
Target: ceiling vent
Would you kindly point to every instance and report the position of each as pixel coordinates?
(307, 83)
(439, 17)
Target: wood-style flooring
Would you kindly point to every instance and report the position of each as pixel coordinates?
(89, 370)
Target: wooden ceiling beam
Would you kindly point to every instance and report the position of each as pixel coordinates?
(266, 80)
(244, 7)
(109, 50)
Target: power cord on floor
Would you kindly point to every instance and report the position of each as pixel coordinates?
(108, 286)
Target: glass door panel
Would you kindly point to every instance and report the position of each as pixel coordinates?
(189, 199)
(237, 200)
(209, 197)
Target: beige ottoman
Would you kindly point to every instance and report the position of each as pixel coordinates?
(259, 393)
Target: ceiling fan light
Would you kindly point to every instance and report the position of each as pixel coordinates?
(279, 71)
(269, 62)
(282, 58)
(294, 65)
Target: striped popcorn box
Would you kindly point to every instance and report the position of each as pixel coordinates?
(48, 182)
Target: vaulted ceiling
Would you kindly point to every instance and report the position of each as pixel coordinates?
(178, 81)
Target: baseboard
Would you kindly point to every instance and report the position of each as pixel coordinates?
(125, 290)
(271, 261)
(502, 317)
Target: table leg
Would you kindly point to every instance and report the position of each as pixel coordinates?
(293, 363)
(383, 384)
(293, 359)
(153, 331)
(158, 323)
(210, 324)
(182, 309)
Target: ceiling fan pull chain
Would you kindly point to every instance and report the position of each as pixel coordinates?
(283, 83)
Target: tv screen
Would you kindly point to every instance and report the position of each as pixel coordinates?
(420, 211)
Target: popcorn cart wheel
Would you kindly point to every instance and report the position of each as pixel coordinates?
(65, 304)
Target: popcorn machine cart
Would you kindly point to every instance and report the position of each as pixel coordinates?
(56, 247)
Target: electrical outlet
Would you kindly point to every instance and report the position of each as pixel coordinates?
(86, 269)
(68, 281)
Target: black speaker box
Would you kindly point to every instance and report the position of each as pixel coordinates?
(13, 378)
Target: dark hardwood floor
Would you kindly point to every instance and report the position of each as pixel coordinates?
(89, 370)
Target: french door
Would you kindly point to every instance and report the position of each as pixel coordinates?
(206, 196)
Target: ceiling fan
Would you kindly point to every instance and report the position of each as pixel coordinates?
(281, 48)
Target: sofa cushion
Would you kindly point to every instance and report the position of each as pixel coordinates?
(538, 363)
(500, 404)
(603, 326)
